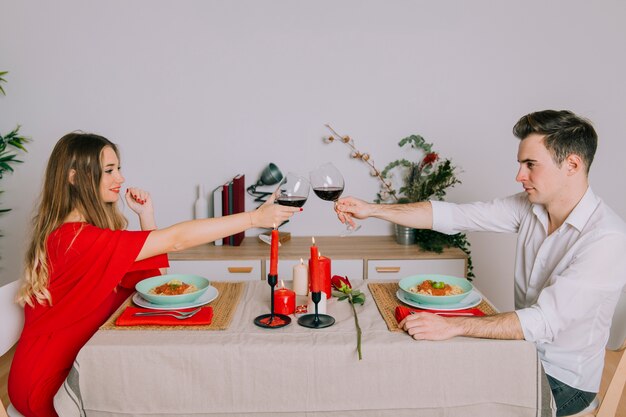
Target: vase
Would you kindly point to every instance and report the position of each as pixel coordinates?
(405, 235)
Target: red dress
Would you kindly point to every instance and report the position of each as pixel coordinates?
(92, 271)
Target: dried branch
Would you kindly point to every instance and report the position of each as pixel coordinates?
(365, 157)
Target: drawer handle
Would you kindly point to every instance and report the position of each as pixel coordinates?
(387, 269)
(239, 269)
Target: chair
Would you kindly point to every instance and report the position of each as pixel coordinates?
(12, 319)
(617, 342)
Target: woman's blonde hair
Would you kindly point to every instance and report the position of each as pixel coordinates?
(77, 155)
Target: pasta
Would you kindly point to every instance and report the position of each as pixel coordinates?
(174, 287)
(429, 287)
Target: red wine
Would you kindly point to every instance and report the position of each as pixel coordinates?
(328, 193)
(292, 201)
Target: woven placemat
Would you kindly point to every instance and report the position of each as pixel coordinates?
(384, 293)
(224, 307)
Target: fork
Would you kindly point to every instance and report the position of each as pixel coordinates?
(181, 315)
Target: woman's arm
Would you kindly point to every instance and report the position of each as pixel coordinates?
(196, 232)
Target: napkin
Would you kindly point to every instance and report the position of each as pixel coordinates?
(402, 312)
(127, 318)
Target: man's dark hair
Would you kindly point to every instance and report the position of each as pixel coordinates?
(565, 134)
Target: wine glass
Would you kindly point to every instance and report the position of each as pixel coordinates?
(293, 190)
(328, 184)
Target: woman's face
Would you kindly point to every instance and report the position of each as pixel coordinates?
(112, 179)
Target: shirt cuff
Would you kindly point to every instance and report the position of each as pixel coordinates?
(534, 325)
(442, 217)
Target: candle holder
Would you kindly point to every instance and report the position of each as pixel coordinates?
(316, 321)
(272, 320)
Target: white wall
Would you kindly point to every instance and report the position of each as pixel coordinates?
(197, 91)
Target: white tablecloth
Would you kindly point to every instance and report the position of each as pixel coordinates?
(295, 371)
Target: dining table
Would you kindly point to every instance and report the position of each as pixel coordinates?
(241, 369)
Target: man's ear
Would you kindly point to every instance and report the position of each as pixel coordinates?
(71, 176)
(574, 164)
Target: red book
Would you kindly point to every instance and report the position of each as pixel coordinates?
(239, 206)
(226, 210)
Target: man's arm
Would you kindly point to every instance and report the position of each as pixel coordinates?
(428, 326)
(418, 215)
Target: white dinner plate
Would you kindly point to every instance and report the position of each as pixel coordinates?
(210, 295)
(472, 300)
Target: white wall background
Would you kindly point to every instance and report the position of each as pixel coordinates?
(198, 91)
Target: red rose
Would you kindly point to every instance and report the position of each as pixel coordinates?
(340, 283)
(430, 158)
(343, 285)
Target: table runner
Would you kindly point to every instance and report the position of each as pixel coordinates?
(223, 310)
(384, 293)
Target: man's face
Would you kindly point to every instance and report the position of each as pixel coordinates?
(542, 179)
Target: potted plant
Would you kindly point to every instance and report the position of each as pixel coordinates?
(426, 178)
(14, 140)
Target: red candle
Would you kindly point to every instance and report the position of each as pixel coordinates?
(314, 269)
(284, 301)
(274, 253)
(325, 275)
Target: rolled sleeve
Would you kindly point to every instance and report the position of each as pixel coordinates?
(442, 217)
(534, 325)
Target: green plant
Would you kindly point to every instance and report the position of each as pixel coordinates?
(427, 178)
(11, 140)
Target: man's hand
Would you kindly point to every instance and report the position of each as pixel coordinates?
(429, 326)
(349, 207)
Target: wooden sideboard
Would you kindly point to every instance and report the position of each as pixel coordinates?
(358, 257)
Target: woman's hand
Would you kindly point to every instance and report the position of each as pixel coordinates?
(139, 200)
(270, 214)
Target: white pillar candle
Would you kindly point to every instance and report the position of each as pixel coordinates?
(321, 306)
(301, 278)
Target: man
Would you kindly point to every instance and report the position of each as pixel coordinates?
(570, 262)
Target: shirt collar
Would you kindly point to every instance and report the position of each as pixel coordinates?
(579, 217)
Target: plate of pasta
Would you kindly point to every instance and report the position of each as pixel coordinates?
(435, 288)
(472, 300)
(172, 288)
(209, 295)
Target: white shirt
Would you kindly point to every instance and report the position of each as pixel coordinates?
(567, 284)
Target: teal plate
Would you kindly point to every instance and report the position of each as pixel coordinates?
(413, 280)
(472, 300)
(143, 287)
(210, 294)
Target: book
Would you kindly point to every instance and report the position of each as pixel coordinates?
(226, 208)
(238, 206)
(230, 207)
(216, 205)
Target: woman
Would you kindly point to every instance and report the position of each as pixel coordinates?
(82, 264)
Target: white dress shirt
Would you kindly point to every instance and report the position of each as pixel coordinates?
(567, 284)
